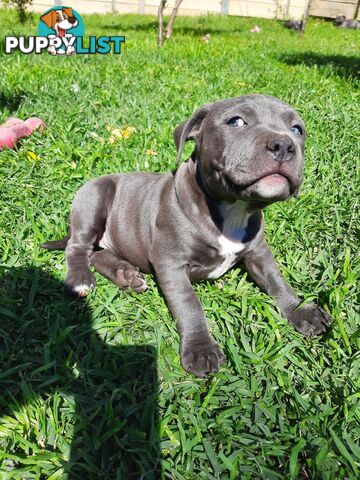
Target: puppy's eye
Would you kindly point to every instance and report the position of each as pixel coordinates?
(236, 122)
(297, 130)
(58, 19)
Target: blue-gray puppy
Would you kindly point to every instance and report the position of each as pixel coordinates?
(199, 221)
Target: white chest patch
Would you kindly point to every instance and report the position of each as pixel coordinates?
(230, 243)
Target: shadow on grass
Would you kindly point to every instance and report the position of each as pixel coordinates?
(11, 101)
(48, 345)
(342, 65)
(196, 30)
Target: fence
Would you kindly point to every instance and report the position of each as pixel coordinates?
(333, 8)
(282, 9)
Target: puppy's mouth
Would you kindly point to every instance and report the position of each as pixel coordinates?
(275, 178)
(60, 31)
(272, 179)
(268, 187)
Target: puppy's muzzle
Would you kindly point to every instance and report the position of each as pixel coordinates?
(281, 147)
(72, 20)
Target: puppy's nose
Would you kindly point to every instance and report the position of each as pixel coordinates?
(282, 148)
(72, 20)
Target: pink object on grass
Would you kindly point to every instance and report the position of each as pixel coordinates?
(35, 124)
(8, 138)
(14, 129)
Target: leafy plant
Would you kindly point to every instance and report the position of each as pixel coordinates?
(21, 7)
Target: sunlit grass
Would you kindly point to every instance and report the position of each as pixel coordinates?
(283, 406)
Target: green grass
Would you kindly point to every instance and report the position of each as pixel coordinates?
(94, 389)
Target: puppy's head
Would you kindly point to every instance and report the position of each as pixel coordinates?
(247, 148)
(60, 20)
(339, 19)
(293, 24)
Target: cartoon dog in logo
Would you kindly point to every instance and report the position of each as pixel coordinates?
(60, 20)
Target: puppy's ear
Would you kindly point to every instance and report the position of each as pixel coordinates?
(68, 11)
(48, 18)
(189, 129)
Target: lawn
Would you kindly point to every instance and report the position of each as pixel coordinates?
(94, 389)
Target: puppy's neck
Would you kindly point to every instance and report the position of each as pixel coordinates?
(230, 216)
(235, 217)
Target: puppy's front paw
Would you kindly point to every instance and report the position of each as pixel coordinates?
(79, 284)
(201, 356)
(310, 320)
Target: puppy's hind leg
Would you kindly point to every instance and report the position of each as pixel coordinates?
(119, 271)
(79, 279)
(87, 222)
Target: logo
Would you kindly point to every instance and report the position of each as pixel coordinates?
(64, 25)
(61, 31)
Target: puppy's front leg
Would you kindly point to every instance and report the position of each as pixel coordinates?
(309, 319)
(199, 352)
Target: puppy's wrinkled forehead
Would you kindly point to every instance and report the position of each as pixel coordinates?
(255, 108)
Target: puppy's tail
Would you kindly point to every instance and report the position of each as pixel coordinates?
(56, 244)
